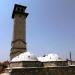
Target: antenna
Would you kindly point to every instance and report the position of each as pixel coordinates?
(70, 57)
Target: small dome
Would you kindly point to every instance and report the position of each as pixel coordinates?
(26, 56)
(50, 57)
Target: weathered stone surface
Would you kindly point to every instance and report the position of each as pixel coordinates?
(45, 71)
(19, 33)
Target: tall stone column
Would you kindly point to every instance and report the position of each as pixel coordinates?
(19, 33)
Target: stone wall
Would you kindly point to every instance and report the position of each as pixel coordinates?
(70, 70)
(26, 64)
(55, 63)
(15, 64)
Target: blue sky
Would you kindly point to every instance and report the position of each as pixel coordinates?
(50, 27)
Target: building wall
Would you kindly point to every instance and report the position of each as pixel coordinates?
(55, 63)
(45, 68)
(26, 64)
(45, 71)
(15, 64)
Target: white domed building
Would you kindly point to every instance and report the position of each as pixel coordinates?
(26, 56)
(25, 59)
(50, 57)
(28, 59)
(52, 60)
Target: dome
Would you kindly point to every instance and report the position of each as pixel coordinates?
(50, 57)
(26, 56)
